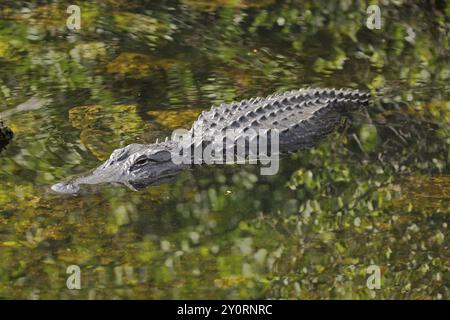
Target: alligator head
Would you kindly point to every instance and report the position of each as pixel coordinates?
(136, 166)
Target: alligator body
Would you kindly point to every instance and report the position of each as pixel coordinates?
(301, 117)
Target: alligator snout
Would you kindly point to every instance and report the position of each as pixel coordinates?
(66, 187)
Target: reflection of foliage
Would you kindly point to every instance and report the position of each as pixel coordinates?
(105, 128)
(50, 20)
(144, 26)
(132, 64)
(429, 194)
(205, 5)
(175, 119)
(374, 193)
(137, 66)
(88, 51)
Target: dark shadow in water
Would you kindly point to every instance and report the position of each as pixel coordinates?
(6, 135)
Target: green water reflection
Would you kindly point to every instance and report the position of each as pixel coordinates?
(376, 192)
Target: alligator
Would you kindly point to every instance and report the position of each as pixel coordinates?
(302, 118)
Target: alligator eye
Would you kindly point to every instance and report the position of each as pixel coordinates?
(141, 161)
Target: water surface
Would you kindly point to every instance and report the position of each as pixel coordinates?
(376, 192)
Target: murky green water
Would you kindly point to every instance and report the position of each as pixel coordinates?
(376, 192)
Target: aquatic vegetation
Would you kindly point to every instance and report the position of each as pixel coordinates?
(427, 194)
(175, 119)
(121, 122)
(149, 29)
(210, 6)
(137, 66)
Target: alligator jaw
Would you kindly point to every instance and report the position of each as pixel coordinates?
(73, 186)
(100, 175)
(66, 187)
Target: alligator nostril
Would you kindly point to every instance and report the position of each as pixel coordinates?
(108, 163)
